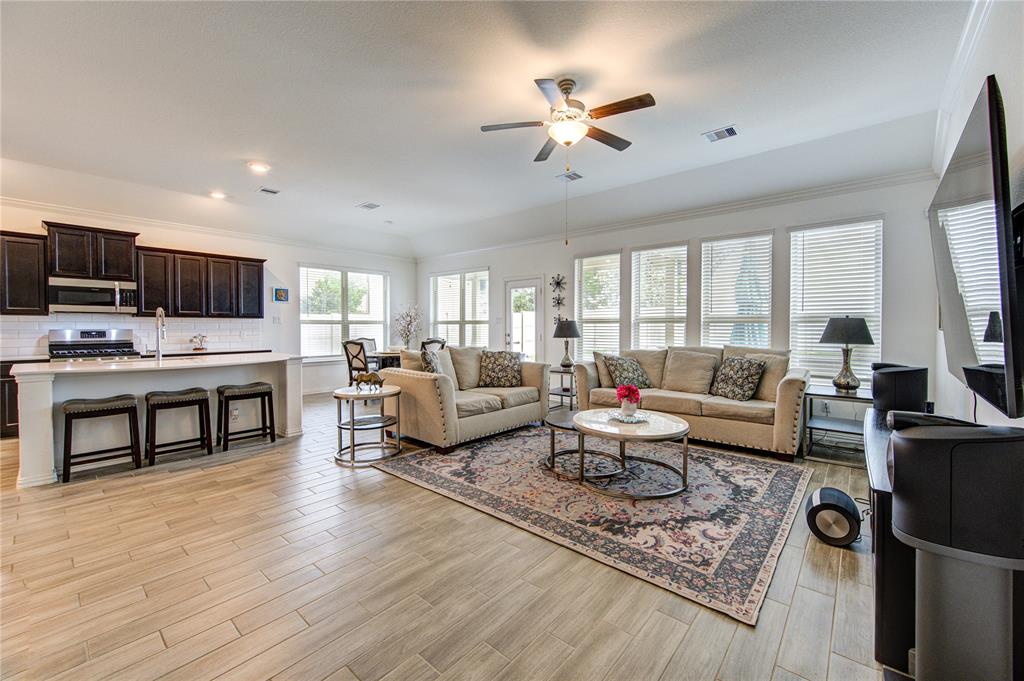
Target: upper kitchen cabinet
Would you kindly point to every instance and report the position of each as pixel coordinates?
(23, 274)
(222, 287)
(156, 281)
(88, 253)
(250, 288)
(190, 284)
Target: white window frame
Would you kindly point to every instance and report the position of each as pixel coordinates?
(461, 322)
(707, 318)
(679, 306)
(344, 323)
(825, 361)
(581, 318)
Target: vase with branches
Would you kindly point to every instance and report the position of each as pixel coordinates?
(407, 323)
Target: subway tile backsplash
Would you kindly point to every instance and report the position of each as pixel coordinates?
(27, 336)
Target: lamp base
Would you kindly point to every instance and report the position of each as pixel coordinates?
(845, 381)
(567, 362)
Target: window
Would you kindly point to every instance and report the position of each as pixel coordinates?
(834, 271)
(736, 291)
(971, 233)
(597, 304)
(335, 305)
(458, 309)
(659, 297)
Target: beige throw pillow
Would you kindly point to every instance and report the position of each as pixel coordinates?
(775, 370)
(411, 360)
(447, 367)
(689, 372)
(603, 375)
(467, 366)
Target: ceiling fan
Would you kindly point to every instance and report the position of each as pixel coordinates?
(571, 121)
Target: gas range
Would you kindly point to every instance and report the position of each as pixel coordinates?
(77, 345)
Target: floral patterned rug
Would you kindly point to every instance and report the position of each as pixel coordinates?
(717, 543)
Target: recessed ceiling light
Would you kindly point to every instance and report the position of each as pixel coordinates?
(389, 222)
(259, 167)
(218, 195)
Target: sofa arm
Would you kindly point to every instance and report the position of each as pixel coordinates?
(789, 404)
(428, 405)
(586, 380)
(536, 375)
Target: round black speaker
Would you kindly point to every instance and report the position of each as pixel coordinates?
(833, 516)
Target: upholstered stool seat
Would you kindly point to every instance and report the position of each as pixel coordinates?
(79, 409)
(226, 394)
(176, 399)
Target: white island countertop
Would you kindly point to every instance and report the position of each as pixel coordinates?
(166, 364)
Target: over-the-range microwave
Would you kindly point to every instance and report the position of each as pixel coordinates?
(92, 295)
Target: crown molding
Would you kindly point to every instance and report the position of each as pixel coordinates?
(182, 226)
(768, 200)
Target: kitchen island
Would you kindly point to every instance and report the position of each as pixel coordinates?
(42, 387)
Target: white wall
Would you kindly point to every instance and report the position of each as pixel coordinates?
(908, 282)
(992, 44)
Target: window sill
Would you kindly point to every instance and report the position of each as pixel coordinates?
(325, 359)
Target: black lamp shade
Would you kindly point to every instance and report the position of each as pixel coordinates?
(567, 329)
(994, 330)
(847, 331)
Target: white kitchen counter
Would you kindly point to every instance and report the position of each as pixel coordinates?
(44, 386)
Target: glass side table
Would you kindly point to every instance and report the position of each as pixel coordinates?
(387, 447)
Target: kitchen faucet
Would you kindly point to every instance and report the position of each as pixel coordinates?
(161, 332)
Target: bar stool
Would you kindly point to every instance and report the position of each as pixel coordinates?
(226, 394)
(176, 399)
(75, 410)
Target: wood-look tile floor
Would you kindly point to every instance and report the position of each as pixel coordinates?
(279, 564)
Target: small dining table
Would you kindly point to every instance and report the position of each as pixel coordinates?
(386, 359)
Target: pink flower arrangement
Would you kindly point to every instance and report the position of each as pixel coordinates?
(629, 393)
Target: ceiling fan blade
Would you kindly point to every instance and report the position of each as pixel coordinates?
(509, 126)
(631, 104)
(605, 137)
(545, 151)
(551, 93)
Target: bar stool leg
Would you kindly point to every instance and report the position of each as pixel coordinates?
(133, 425)
(263, 415)
(68, 420)
(151, 434)
(227, 423)
(273, 427)
(204, 420)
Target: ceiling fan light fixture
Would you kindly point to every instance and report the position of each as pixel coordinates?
(567, 133)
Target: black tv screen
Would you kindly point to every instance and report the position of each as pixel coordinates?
(976, 262)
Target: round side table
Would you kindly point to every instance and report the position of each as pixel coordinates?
(560, 419)
(388, 446)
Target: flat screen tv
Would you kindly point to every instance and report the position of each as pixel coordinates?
(979, 260)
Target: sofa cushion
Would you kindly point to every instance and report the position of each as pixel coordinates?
(603, 397)
(688, 371)
(511, 397)
(738, 378)
(604, 378)
(411, 360)
(705, 349)
(439, 362)
(472, 403)
(775, 368)
(752, 411)
(627, 371)
(467, 366)
(500, 369)
(674, 402)
(743, 351)
(653, 363)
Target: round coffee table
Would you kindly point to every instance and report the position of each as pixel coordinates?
(387, 447)
(561, 419)
(658, 427)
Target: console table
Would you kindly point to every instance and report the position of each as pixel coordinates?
(830, 424)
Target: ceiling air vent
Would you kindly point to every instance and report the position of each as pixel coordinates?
(570, 176)
(268, 190)
(368, 205)
(721, 133)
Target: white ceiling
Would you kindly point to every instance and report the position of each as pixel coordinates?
(353, 102)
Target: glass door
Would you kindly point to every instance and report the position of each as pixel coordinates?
(524, 327)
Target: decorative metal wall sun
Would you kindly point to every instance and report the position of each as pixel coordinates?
(558, 300)
(557, 283)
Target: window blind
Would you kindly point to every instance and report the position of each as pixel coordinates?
(835, 271)
(597, 304)
(335, 305)
(736, 291)
(459, 307)
(659, 297)
(971, 234)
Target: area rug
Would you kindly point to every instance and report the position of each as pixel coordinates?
(717, 544)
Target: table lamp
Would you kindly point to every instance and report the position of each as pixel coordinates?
(846, 331)
(567, 329)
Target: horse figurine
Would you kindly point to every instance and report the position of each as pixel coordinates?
(372, 381)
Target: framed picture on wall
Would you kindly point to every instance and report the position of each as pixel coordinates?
(280, 295)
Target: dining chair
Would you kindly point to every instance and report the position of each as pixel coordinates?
(434, 344)
(370, 344)
(355, 357)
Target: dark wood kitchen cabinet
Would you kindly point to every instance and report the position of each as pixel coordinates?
(22, 274)
(189, 285)
(156, 282)
(222, 287)
(250, 288)
(90, 253)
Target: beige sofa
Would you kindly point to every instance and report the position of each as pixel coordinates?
(449, 408)
(770, 421)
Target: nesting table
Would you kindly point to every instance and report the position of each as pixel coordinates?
(387, 447)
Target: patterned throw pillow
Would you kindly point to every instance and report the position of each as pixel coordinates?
(431, 362)
(501, 369)
(738, 378)
(627, 371)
